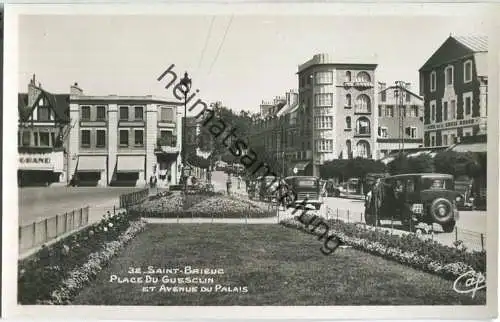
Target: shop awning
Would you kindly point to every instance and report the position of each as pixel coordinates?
(471, 147)
(91, 163)
(130, 163)
(301, 165)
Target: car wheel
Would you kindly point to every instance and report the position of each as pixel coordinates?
(441, 211)
(449, 226)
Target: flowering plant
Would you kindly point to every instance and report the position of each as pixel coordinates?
(38, 274)
(409, 250)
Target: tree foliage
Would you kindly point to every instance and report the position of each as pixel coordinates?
(403, 164)
(352, 168)
(458, 163)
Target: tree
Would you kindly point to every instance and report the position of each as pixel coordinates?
(403, 164)
(458, 163)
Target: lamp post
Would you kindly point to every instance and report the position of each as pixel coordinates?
(399, 92)
(186, 84)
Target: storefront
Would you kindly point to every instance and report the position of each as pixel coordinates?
(130, 171)
(41, 169)
(90, 171)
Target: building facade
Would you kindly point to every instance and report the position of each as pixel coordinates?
(454, 84)
(339, 98)
(105, 140)
(400, 120)
(44, 122)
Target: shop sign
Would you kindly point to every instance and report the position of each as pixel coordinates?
(39, 161)
(23, 160)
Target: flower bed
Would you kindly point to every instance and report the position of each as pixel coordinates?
(205, 205)
(40, 274)
(410, 250)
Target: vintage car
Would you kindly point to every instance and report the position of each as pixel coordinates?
(307, 189)
(267, 187)
(412, 199)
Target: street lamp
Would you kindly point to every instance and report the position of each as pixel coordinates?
(399, 93)
(186, 84)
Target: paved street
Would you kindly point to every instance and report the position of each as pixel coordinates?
(37, 203)
(469, 228)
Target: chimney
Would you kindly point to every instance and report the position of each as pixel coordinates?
(287, 97)
(33, 91)
(75, 90)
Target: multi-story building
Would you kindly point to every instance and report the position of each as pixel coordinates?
(454, 84)
(43, 127)
(340, 96)
(400, 119)
(108, 140)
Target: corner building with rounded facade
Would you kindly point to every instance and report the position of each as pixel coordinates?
(339, 96)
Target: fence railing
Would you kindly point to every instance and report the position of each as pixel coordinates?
(470, 239)
(133, 198)
(41, 232)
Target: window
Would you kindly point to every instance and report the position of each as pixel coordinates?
(389, 111)
(123, 113)
(348, 100)
(139, 137)
(100, 113)
(363, 126)
(167, 114)
(408, 96)
(445, 111)
(323, 122)
(324, 78)
(348, 76)
(467, 131)
(411, 132)
(85, 113)
(413, 112)
(53, 138)
(349, 148)
(85, 138)
(26, 138)
(433, 139)
(138, 113)
(348, 122)
(433, 81)
(123, 137)
(380, 111)
(453, 110)
(43, 113)
(100, 138)
(323, 99)
(433, 111)
(402, 111)
(363, 77)
(410, 185)
(382, 132)
(44, 139)
(467, 71)
(448, 75)
(468, 104)
(324, 145)
(363, 104)
(363, 149)
(383, 96)
(445, 139)
(35, 139)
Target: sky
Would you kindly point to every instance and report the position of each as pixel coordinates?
(257, 59)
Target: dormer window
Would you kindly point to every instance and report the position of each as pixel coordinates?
(468, 71)
(433, 81)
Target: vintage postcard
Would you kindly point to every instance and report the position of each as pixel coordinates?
(238, 161)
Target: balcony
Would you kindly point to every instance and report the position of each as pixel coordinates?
(359, 84)
(166, 145)
(362, 134)
(362, 110)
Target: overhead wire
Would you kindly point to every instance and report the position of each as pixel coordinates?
(207, 39)
(221, 44)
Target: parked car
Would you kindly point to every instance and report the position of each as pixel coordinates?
(414, 198)
(307, 188)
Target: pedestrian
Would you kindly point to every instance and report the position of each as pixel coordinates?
(239, 182)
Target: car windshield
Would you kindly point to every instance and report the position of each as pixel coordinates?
(306, 182)
(437, 183)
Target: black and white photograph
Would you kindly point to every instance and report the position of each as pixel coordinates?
(272, 158)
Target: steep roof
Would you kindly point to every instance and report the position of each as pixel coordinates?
(456, 47)
(59, 102)
(475, 43)
(407, 90)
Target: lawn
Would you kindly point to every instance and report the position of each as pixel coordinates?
(279, 266)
